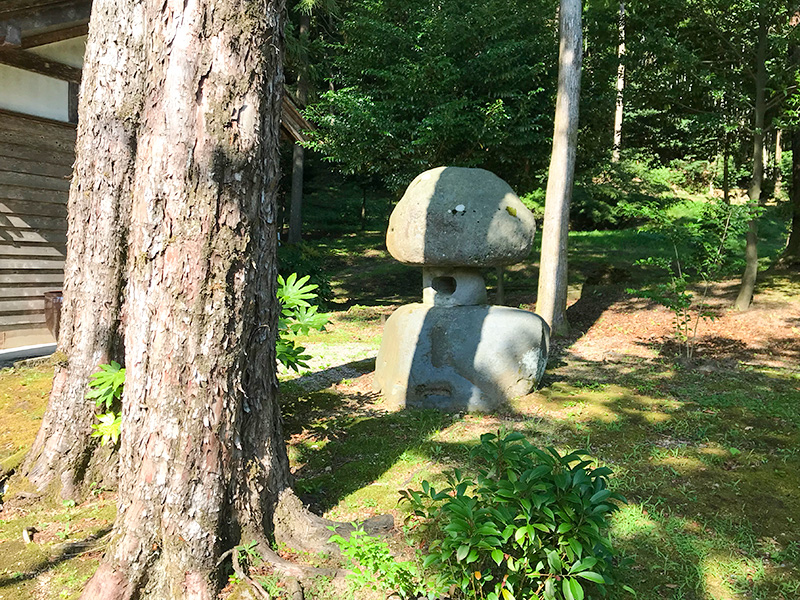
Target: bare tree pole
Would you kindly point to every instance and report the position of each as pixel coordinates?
(298, 152)
(790, 258)
(618, 113)
(551, 301)
(778, 158)
(791, 254)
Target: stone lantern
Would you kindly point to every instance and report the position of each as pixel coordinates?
(453, 351)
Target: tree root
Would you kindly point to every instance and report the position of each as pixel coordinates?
(245, 576)
(302, 530)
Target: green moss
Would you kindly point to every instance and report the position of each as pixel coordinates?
(23, 399)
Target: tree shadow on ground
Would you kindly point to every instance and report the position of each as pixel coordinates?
(708, 461)
(66, 552)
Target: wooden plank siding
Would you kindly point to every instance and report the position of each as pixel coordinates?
(36, 157)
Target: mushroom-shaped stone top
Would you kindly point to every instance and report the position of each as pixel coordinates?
(458, 217)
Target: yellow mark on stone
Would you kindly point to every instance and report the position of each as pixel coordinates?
(511, 210)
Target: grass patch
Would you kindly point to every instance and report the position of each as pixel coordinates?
(23, 399)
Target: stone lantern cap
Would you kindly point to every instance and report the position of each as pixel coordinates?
(459, 217)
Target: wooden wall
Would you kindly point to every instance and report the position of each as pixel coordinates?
(36, 157)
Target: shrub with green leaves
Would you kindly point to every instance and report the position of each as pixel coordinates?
(298, 317)
(701, 245)
(532, 524)
(309, 260)
(106, 388)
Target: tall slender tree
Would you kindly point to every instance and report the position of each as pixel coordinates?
(745, 296)
(790, 258)
(298, 152)
(620, 105)
(551, 299)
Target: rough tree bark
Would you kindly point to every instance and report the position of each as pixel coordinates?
(745, 296)
(63, 456)
(202, 459)
(551, 301)
(618, 112)
(298, 152)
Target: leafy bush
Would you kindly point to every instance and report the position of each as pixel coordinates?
(692, 174)
(603, 198)
(532, 524)
(534, 201)
(107, 386)
(701, 246)
(298, 317)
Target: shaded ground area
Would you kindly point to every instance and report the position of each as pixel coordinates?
(707, 453)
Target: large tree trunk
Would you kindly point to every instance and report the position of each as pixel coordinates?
(618, 112)
(99, 205)
(747, 288)
(298, 153)
(551, 301)
(202, 453)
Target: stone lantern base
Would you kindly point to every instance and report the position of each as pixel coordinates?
(460, 358)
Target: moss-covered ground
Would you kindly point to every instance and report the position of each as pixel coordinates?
(706, 452)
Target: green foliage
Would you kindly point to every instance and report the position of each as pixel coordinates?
(534, 201)
(298, 317)
(532, 524)
(248, 555)
(701, 245)
(303, 258)
(109, 427)
(609, 195)
(107, 386)
(416, 85)
(374, 567)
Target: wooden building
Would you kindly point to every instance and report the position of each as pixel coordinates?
(41, 54)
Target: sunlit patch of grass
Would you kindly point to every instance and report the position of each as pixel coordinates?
(67, 544)
(23, 399)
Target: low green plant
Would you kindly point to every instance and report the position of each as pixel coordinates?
(532, 524)
(248, 555)
(700, 248)
(374, 567)
(309, 260)
(298, 317)
(106, 388)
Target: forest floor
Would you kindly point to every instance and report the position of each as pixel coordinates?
(706, 451)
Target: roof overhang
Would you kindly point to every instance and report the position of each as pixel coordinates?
(26, 24)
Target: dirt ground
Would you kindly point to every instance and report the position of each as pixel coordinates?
(610, 324)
